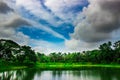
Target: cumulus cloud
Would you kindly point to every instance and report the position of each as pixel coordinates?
(101, 18)
(97, 22)
(79, 45)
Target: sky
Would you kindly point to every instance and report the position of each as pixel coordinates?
(60, 25)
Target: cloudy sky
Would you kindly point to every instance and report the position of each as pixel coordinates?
(60, 25)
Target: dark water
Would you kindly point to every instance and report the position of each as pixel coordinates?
(85, 74)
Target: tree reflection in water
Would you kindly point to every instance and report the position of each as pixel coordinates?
(17, 75)
(88, 74)
(13, 75)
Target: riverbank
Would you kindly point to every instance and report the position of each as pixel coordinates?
(60, 66)
(72, 66)
(3, 68)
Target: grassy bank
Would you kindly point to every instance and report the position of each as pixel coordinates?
(60, 66)
(72, 66)
(9, 66)
(13, 67)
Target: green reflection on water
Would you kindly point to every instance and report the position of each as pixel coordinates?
(86, 74)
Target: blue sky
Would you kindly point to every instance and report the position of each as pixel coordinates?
(64, 25)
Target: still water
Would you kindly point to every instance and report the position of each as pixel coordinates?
(83, 74)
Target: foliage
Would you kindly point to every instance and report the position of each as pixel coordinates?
(107, 53)
(11, 52)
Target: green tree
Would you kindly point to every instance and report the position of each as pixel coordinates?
(42, 58)
(106, 52)
(29, 53)
(117, 52)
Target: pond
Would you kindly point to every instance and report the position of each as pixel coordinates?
(83, 74)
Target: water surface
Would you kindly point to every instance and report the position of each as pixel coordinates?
(85, 74)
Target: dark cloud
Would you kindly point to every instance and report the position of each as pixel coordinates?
(13, 19)
(17, 23)
(4, 8)
(9, 21)
(113, 6)
(111, 9)
(101, 18)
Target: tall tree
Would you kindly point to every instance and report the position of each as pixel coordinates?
(117, 51)
(106, 52)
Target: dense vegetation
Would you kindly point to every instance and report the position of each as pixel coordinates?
(12, 53)
(107, 53)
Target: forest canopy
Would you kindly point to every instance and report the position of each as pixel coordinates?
(11, 52)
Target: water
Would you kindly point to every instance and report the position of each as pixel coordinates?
(85, 74)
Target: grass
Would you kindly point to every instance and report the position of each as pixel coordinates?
(7, 66)
(3, 68)
(72, 66)
(60, 66)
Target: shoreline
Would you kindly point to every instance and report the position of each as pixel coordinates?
(73, 66)
(4, 68)
(61, 66)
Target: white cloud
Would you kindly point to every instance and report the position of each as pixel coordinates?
(78, 45)
(46, 47)
(61, 5)
(72, 44)
(11, 34)
(61, 8)
(35, 7)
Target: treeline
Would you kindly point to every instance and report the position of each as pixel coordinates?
(13, 53)
(107, 53)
